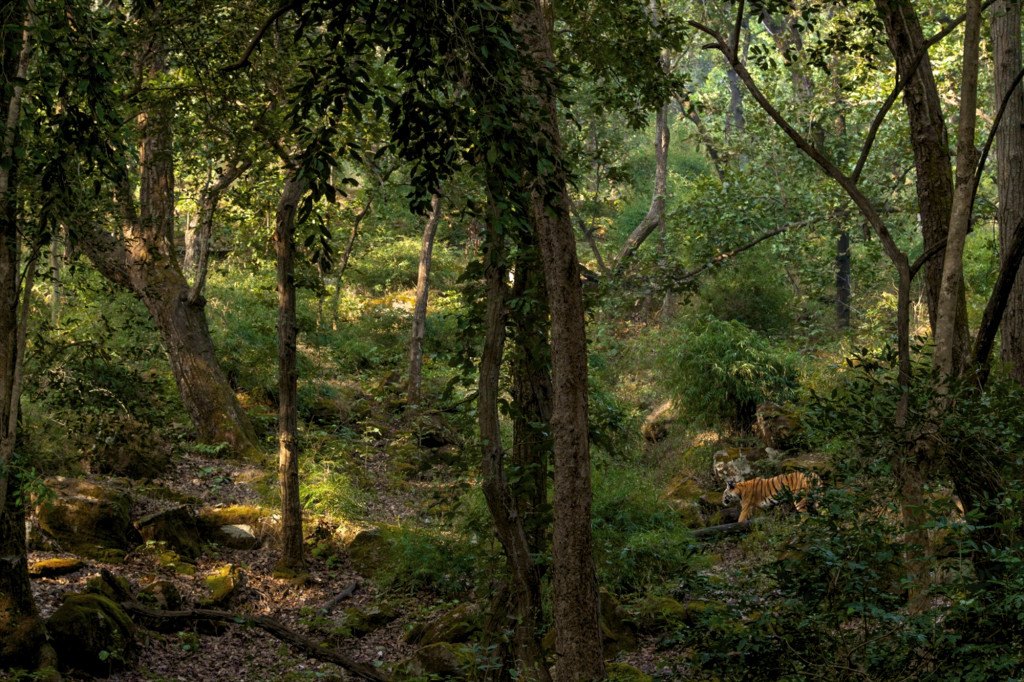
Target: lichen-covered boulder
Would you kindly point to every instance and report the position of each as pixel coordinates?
(51, 568)
(237, 527)
(776, 425)
(684, 494)
(454, 626)
(87, 519)
(176, 527)
(740, 464)
(92, 634)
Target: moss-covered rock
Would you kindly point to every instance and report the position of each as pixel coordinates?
(161, 594)
(168, 559)
(362, 621)
(368, 550)
(623, 672)
(776, 425)
(740, 464)
(116, 588)
(50, 568)
(617, 627)
(454, 626)
(222, 584)
(656, 614)
(88, 519)
(442, 659)
(176, 527)
(92, 634)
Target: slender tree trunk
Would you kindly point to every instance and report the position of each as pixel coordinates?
(199, 249)
(1006, 49)
(656, 212)
(843, 280)
(419, 315)
(504, 508)
(931, 154)
(690, 112)
(56, 293)
(292, 561)
(22, 633)
(576, 607)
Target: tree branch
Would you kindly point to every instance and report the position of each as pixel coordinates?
(243, 61)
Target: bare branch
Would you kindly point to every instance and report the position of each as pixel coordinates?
(243, 61)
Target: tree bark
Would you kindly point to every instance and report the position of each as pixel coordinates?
(292, 561)
(419, 315)
(576, 607)
(1006, 49)
(931, 154)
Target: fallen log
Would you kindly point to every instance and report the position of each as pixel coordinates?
(723, 529)
(307, 645)
(342, 596)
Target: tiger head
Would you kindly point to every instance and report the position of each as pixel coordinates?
(731, 494)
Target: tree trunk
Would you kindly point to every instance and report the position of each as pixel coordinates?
(197, 252)
(576, 607)
(1006, 48)
(508, 520)
(931, 154)
(419, 315)
(843, 280)
(292, 561)
(22, 633)
(144, 261)
(656, 213)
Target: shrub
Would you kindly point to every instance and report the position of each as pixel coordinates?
(718, 371)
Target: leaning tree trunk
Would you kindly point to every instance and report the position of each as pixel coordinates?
(576, 607)
(143, 260)
(292, 561)
(931, 155)
(1006, 49)
(656, 213)
(419, 315)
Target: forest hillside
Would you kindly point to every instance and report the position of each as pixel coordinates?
(511, 341)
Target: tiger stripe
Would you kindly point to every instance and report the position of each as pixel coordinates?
(763, 492)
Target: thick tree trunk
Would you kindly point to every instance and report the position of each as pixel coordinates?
(292, 561)
(931, 154)
(1006, 49)
(419, 314)
(144, 261)
(576, 607)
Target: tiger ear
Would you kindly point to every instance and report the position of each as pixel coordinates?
(732, 484)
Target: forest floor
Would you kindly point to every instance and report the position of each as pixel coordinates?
(243, 652)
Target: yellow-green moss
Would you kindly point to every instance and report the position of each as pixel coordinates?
(54, 567)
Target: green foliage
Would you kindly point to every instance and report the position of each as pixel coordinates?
(418, 559)
(640, 542)
(752, 292)
(718, 371)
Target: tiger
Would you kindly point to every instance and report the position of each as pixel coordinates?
(762, 492)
